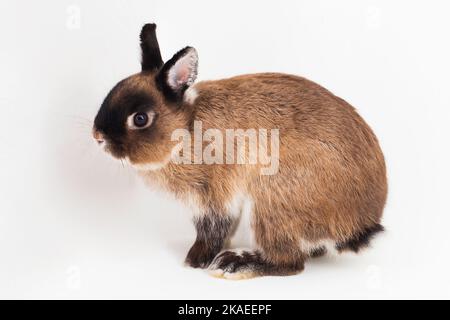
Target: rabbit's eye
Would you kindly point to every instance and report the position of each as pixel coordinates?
(140, 120)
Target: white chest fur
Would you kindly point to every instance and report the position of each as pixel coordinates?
(240, 207)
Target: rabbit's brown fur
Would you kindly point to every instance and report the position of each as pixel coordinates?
(329, 191)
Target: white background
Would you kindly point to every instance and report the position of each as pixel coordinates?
(74, 224)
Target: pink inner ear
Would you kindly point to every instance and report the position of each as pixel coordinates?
(183, 71)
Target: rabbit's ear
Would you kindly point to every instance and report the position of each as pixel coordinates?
(178, 74)
(151, 56)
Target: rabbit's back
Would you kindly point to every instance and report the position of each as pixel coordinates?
(331, 180)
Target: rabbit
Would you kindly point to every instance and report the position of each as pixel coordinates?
(327, 194)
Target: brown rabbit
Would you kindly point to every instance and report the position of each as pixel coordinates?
(328, 187)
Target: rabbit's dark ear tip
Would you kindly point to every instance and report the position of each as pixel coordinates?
(148, 27)
(147, 30)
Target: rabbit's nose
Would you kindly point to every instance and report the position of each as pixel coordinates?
(98, 136)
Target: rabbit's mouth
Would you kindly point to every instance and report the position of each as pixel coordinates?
(116, 150)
